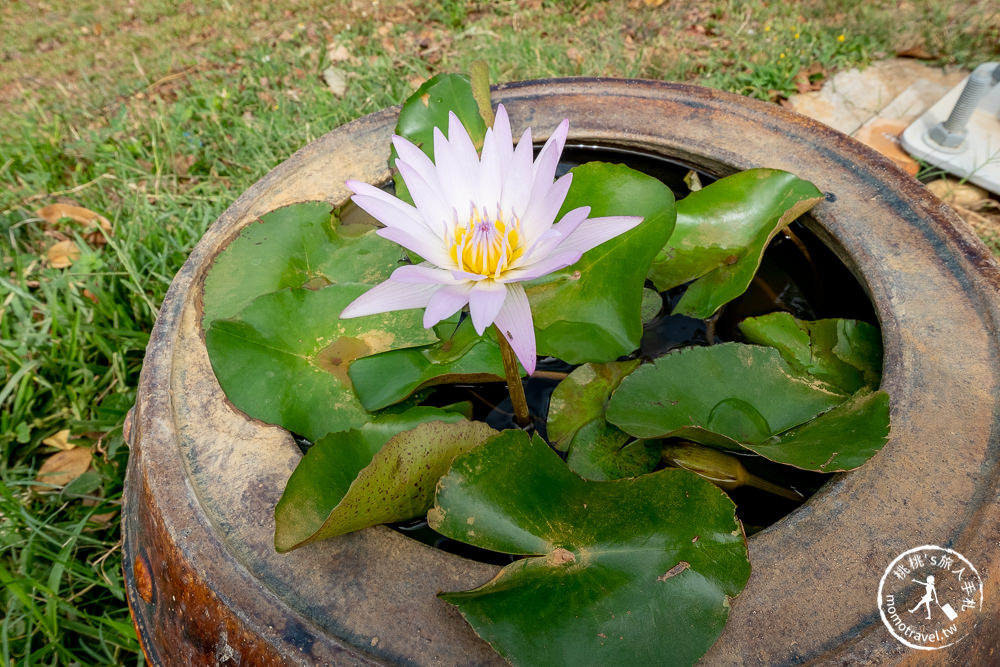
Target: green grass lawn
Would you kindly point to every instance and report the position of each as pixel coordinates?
(156, 115)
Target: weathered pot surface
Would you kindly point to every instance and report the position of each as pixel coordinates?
(206, 587)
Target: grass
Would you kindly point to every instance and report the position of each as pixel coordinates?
(157, 115)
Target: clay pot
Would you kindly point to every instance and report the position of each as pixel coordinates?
(206, 587)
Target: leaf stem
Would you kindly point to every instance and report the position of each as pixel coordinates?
(514, 386)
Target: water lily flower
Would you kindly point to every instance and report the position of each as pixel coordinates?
(483, 224)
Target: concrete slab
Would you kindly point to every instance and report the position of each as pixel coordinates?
(851, 98)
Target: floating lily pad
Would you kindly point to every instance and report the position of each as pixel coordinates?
(735, 396)
(285, 358)
(428, 107)
(360, 478)
(582, 397)
(302, 245)
(724, 395)
(592, 310)
(600, 451)
(838, 440)
(461, 356)
(721, 233)
(845, 353)
(636, 571)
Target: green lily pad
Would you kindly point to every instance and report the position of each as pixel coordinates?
(600, 451)
(592, 310)
(725, 395)
(461, 356)
(582, 397)
(721, 233)
(301, 245)
(427, 108)
(838, 440)
(380, 474)
(285, 358)
(636, 571)
(845, 353)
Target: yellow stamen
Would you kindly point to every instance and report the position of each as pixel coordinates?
(486, 247)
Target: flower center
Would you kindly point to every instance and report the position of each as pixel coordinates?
(486, 246)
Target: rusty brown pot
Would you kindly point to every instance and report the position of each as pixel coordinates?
(206, 587)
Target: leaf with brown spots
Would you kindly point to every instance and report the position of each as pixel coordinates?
(349, 481)
(285, 358)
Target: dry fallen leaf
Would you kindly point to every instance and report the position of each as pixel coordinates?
(955, 192)
(337, 53)
(59, 440)
(63, 254)
(53, 213)
(335, 80)
(62, 468)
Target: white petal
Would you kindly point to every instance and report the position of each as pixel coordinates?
(425, 274)
(514, 323)
(434, 206)
(558, 260)
(543, 208)
(544, 168)
(485, 301)
(389, 296)
(446, 302)
(457, 171)
(422, 242)
(503, 137)
(517, 178)
(491, 168)
(595, 231)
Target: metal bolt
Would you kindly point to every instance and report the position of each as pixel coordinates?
(951, 133)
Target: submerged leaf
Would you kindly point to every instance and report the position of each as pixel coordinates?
(285, 358)
(592, 310)
(734, 396)
(349, 481)
(722, 395)
(621, 572)
(721, 233)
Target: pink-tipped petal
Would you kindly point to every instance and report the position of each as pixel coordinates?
(485, 300)
(504, 139)
(559, 260)
(543, 207)
(390, 212)
(514, 323)
(517, 179)
(457, 170)
(425, 245)
(428, 197)
(389, 296)
(424, 273)
(595, 231)
(445, 302)
(544, 168)
(411, 154)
